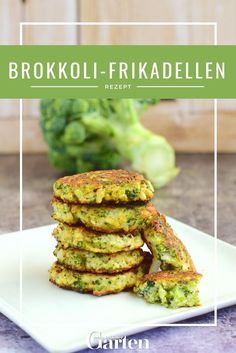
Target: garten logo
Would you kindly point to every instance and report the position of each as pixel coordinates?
(97, 341)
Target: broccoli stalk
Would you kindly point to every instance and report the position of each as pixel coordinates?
(148, 153)
(93, 134)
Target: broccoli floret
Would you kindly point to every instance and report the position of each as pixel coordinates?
(74, 133)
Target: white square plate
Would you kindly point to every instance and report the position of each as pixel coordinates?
(61, 321)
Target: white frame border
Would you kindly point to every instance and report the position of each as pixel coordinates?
(214, 24)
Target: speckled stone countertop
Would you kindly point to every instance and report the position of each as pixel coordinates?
(189, 198)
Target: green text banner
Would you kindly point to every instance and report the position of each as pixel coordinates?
(117, 71)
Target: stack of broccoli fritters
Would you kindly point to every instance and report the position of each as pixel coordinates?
(104, 219)
(101, 217)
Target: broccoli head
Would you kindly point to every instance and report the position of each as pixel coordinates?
(90, 134)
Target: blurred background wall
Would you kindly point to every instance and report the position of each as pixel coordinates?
(188, 124)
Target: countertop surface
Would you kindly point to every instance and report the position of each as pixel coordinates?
(189, 199)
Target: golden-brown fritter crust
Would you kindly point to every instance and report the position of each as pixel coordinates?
(102, 178)
(88, 262)
(170, 242)
(126, 279)
(172, 276)
(98, 272)
(106, 218)
(83, 238)
(117, 186)
(100, 294)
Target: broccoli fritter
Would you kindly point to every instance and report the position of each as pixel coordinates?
(103, 186)
(166, 247)
(86, 261)
(97, 242)
(105, 218)
(97, 284)
(171, 289)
